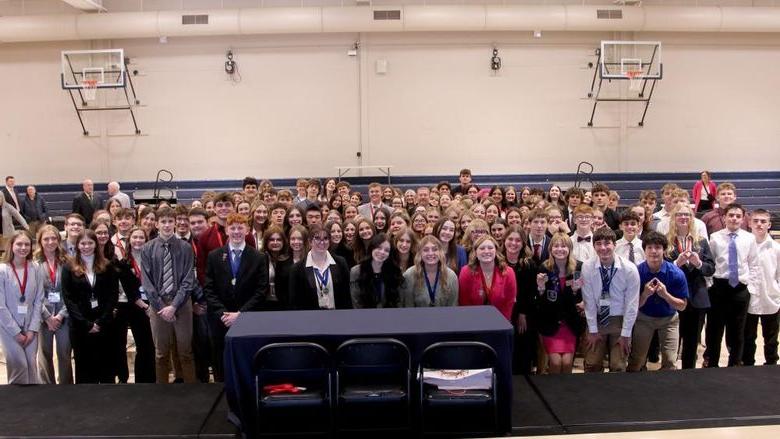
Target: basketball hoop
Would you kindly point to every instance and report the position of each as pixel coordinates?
(634, 80)
(89, 89)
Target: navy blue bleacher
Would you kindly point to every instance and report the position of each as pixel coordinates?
(754, 189)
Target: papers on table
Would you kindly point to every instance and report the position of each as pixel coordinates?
(459, 379)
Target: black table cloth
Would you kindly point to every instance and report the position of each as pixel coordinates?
(418, 328)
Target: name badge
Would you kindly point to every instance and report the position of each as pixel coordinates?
(54, 297)
(233, 281)
(604, 302)
(21, 309)
(144, 298)
(93, 303)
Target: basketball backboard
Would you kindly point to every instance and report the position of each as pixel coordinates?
(631, 59)
(80, 67)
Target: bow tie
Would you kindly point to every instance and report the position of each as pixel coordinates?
(580, 238)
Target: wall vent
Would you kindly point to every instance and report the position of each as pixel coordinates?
(609, 14)
(394, 14)
(195, 19)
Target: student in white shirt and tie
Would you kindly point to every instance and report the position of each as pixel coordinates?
(630, 246)
(582, 238)
(611, 295)
(736, 271)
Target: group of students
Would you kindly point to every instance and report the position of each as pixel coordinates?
(549, 261)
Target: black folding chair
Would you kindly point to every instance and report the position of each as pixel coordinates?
(373, 384)
(458, 410)
(293, 389)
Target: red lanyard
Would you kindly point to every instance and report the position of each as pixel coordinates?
(219, 236)
(136, 268)
(52, 271)
(562, 282)
(194, 249)
(685, 245)
(22, 283)
(488, 289)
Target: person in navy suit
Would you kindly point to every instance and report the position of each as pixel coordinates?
(87, 202)
(538, 241)
(236, 282)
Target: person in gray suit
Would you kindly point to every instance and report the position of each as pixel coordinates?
(367, 210)
(50, 258)
(21, 297)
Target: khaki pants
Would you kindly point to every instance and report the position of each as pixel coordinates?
(668, 334)
(163, 333)
(594, 357)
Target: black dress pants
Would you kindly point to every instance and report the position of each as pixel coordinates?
(728, 312)
(769, 331)
(89, 353)
(691, 324)
(129, 315)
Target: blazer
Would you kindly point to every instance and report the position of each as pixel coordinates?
(251, 285)
(545, 249)
(8, 197)
(698, 296)
(555, 305)
(281, 280)
(525, 278)
(77, 292)
(698, 188)
(86, 208)
(504, 289)
(52, 309)
(8, 214)
(11, 321)
(414, 295)
(303, 289)
(34, 209)
(364, 210)
(131, 283)
(365, 299)
(213, 238)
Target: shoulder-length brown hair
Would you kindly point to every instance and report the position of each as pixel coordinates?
(499, 260)
(77, 264)
(9, 246)
(59, 253)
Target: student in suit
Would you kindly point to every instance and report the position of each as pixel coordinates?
(538, 241)
(558, 296)
(376, 280)
(51, 259)
(21, 298)
(690, 251)
(90, 290)
(600, 195)
(277, 252)
(87, 202)
(320, 280)
(368, 210)
(236, 282)
(215, 237)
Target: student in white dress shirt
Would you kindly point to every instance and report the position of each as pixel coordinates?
(679, 196)
(630, 246)
(582, 238)
(735, 275)
(765, 304)
(611, 295)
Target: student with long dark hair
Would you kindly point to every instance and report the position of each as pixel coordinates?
(375, 282)
(90, 289)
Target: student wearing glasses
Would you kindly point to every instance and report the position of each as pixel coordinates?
(321, 280)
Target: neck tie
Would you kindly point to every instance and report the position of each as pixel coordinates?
(580, 238)
(604, 302)
(167, 270)
(537, 251)
(733, 257)
(631, 252)
(236, 261)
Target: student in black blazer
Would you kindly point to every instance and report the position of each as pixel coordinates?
(90, 290)
(690, 251)
(277, 253)
(236, 281)
(87, 202)
(321, 280)
(538, 240)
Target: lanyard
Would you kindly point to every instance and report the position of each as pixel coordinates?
(606, 277)
(52, 272)
(487, 289)
(220, 239)
(194, 249)
(685, 245)
(323, 277)
(136, 268)
(432, 290)
(22, 283)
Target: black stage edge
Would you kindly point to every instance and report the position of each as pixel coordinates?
(663, 400)
(115, 411)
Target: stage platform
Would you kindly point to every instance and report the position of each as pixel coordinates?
(543, 405)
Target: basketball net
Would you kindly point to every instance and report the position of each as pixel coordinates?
(89, 89)
(634, 80)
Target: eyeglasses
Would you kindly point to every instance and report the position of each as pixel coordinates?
(320, 239)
